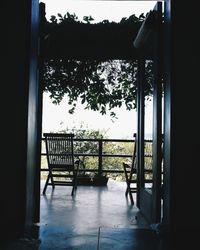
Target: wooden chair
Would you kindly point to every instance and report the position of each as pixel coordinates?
(60, 158)
(130, 171)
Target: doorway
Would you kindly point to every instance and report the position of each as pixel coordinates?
(51, 205)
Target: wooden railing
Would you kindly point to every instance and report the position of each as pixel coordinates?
(100, 154)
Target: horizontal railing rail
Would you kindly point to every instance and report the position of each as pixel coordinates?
(101, 154)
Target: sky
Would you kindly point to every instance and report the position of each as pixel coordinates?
(56, 117)
(99, 10)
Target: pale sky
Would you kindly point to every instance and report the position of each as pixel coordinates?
(56, 117)
(99, 10)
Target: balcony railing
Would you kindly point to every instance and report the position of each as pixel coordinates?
(99, 152)
(98, 148)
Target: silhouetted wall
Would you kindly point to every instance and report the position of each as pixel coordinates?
(182, 117)
(19, 119)
(19, 116)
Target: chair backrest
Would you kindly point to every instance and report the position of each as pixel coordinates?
(59, 149)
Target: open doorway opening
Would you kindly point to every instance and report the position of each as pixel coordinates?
(116, 66)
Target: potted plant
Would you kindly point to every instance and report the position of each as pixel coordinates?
(100, 179)
(89, 179)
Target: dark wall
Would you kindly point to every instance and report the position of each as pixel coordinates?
(19, 93)
(182, 117)
(185, 112)
(33, 115)
(19, 96)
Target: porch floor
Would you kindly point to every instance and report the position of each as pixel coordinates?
(97, 217)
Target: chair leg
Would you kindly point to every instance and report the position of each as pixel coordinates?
(74, 184)
(72, 193)
(131, 197)
(46, 184)
(74, 187)
(51, 177)
(75, 173)
(128, 189)
(126, 193)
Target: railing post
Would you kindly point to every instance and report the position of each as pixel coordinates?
(100, 157)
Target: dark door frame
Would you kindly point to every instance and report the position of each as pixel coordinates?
(149, 200)
(140, 136)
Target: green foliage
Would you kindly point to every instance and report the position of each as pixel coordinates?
(101, 85)
(87, 147)
(113, 163)
(92, 147)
